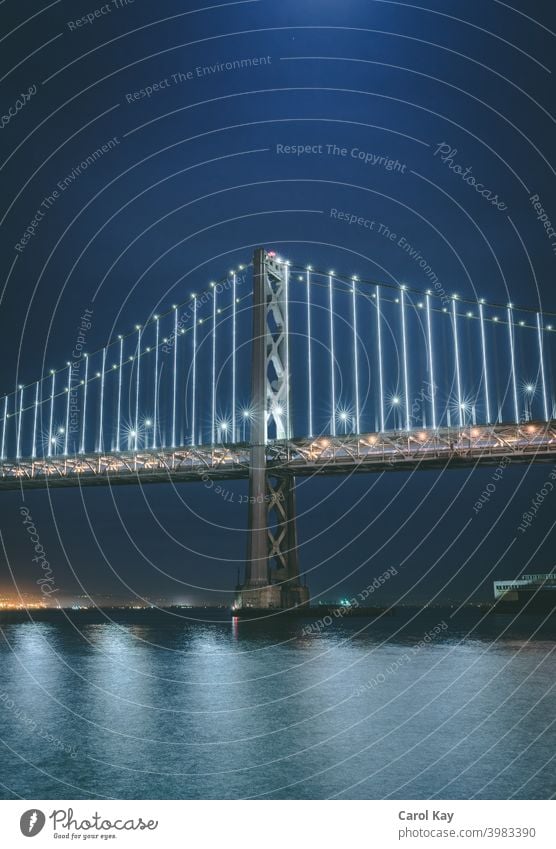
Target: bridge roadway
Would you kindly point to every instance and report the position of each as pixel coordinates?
(531, 442)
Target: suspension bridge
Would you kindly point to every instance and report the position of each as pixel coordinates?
(277, 371)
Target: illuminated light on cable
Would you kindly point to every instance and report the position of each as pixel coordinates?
(194, 372)
(332, 356)
(18, 440)
(234, 354)
(541, 367)
(484, 359)
(155, 388)
(137, 388)
(405, 365)
(529, 392)
(101, 410)
(380, 364)
(512, 362)
(213, 413)
(51, 418)
(355, 356)
(461, 406)
(119, 407)
(309, 352)
(35, 417)
(431, 364)
(84, 422)
(287, 345)
(4, 423)
(175, 378)
(66, 443)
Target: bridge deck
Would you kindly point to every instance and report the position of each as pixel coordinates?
(396, 450)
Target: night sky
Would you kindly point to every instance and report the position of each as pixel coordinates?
(195, 181)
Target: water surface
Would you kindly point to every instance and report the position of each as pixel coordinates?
(418, 705)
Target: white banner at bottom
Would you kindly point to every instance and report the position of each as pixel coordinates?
(249, 824)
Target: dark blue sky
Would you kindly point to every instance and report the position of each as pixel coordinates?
(195, 180)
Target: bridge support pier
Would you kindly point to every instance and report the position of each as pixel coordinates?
(271, 570)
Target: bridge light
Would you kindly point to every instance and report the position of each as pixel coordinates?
(156, 317)
(114, 366)
(469, 315)
(309, 268)
(138, 327)
(395, 399)
(148, 422)
(120, 336)
(61, 430)
(529, 387)
(495, 318)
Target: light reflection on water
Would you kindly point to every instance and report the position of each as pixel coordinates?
(363, 709)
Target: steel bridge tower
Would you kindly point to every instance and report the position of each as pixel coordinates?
(271, 569)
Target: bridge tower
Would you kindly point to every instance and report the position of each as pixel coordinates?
(271, 569)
